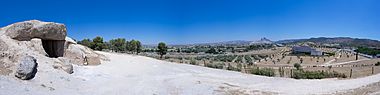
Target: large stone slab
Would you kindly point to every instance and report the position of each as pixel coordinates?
(24, 31)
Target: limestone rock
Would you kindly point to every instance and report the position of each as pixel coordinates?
(82, 55)
(93, 59)
(75, 54)
(64, 64)
(27, 68)
(3, 45)
(70, 41)
(24, 31)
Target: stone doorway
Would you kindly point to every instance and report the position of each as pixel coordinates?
(54, 48)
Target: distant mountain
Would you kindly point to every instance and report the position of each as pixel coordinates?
(262, 41)
(238, 42)
(342, 41)
(288, 41)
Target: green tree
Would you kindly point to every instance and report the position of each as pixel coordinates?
(162, 49)
(138, 47)
(128, 46)
(107, 45)
(86, 42)
(212, 51)
(118, 45)
(297, 66)
(133, 46)
(377, 64)
(97, 43)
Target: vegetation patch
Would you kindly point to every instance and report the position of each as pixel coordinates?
(193, 62)
(231, 68)
(369, 51)
(329, 54)
(377, 64)
(225, 58)
(300, 74)
(264, 72)
(248, 59)
(215, 65)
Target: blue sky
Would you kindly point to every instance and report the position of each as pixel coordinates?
(199, 21)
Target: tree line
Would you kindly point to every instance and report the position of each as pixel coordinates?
(115, 45)
(120, 45)
(369, 51)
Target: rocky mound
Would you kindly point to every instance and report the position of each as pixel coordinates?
(47, 43)
(262, 41)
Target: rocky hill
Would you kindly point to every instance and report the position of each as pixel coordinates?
(262, 41)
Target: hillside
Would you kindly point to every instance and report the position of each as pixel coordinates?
(343, 41)
(233, 43)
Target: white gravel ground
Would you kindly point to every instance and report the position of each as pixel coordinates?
(138, 75)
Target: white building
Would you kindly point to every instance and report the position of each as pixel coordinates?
(316, 53)
(307, 49)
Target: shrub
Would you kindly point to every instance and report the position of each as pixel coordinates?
(264, 72)
(224, 58)
(239, 59)
(297, 66)
(231, 68)
(300, 74)
(377, 64)
(193, 62)
(329, 54)
(215, 65)
(248, 59)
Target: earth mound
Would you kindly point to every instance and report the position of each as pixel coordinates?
(47, 42)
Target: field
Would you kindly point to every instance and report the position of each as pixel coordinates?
(282, 61)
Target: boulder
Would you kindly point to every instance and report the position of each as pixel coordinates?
(27, 68)
(82, 55)
(92, 59)
(75, 54)
(24, 31)
(64, 64)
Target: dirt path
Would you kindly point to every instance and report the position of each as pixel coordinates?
(243, 59)
(233, 61)
(342, 63)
